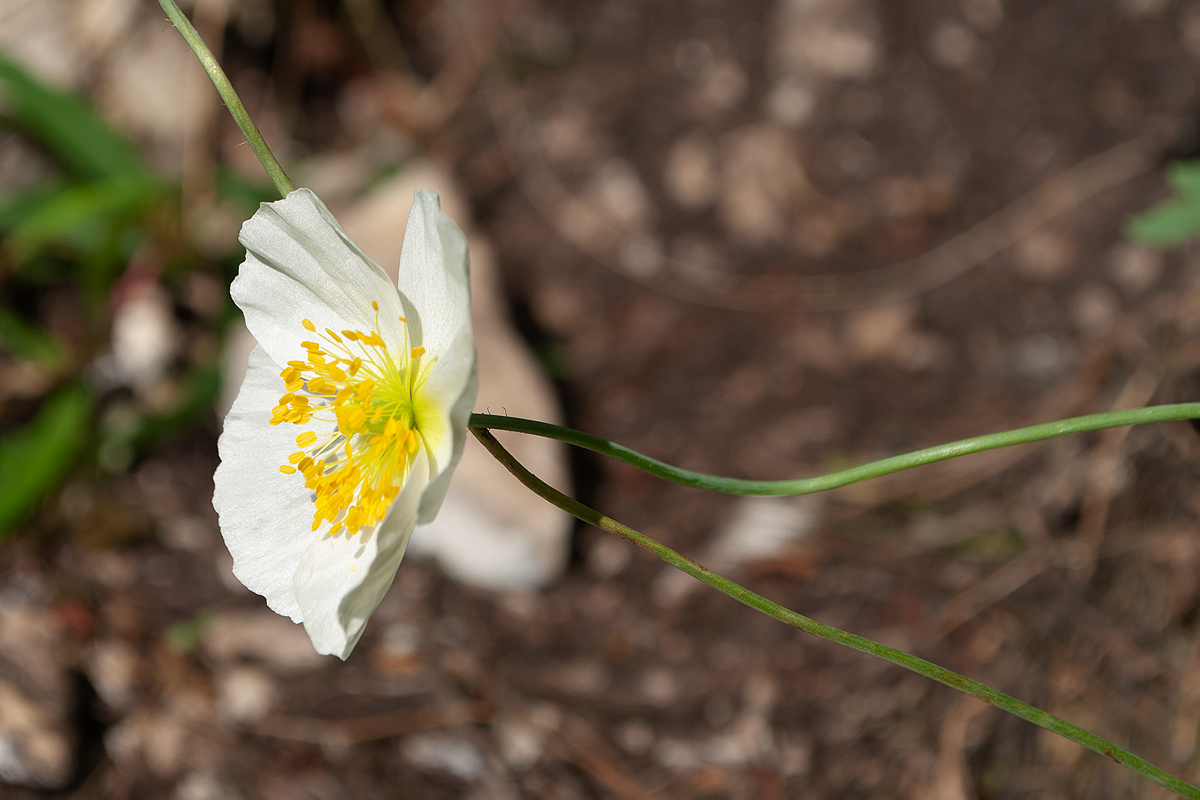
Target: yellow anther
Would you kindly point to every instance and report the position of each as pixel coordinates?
(363, 401)
(374, 305)
(308, 325)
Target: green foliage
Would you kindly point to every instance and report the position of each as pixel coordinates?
(34, 458)
(66, 126)
(1177, 220)
(85, 217)
(29, 342)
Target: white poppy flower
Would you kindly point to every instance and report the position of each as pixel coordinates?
(353, 412)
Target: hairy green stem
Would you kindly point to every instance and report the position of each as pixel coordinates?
(224, 88)
(836, 635)
(700, 480)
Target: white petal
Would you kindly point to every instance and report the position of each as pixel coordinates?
(299, 265)
(266, 516)
(444, 405)
(342, 579)
(433, 276)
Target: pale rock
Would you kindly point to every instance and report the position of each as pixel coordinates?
(203, 786)
(37, 33)
(791, 101)
(1143, 8)
(854, 155)
(1045, 255)
(660, 687)
(112, 668)
(832, 39)
(953, 45)
(491, 531)
(1189, 30)
(618, 192)
(642, 255)
(35, 747)
(635, 737)
(1042, 356)
(748, 739)
(245, 694)
(984, 15)
(98, 24)
(722, 86)
(693, 57)
(690, 171)
(878, 332)
(760, 528)
(145, 338)
(761, 179)
(1135, 267)
(37, 741)
(154, 88)
(1094, 310)
(443, 753)
(520, 743)
(262, 635)
(581, 678)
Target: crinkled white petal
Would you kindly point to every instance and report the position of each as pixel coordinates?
(435, 287)
(266, 516)
(342, 579)
(447, 398)
(299, 265)
(433, 276)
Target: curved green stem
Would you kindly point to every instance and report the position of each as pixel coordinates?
(836, 635)
(224, 88)
(820, 483)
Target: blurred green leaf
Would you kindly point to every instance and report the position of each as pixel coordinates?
(83, 216)
(184, 636)
(1177, 220)
(28, 341)
(991, 546)
(66, 126)
(35, 457)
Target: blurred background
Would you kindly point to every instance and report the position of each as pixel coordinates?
(763, 238)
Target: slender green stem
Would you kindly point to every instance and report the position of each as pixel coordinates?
(232, 101)
(836, 635)
(820, 483)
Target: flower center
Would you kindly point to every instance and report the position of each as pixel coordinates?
(354, 381)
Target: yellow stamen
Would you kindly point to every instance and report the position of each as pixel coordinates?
(308, 325)
(367, 409)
